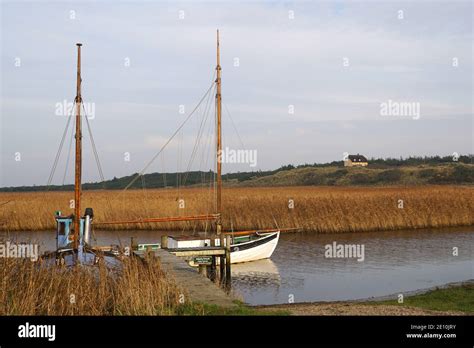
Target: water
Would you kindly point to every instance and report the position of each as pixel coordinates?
(395, 262)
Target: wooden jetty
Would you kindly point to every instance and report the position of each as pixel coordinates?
(201, 286)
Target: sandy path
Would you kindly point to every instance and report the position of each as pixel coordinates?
(348, 308)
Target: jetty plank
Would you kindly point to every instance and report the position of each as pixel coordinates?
(198, 287)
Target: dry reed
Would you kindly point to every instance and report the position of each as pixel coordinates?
(34, 288)
(319, 209)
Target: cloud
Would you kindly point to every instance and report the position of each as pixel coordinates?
(283, 62)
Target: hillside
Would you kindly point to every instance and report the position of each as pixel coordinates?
(411, 171)
(352, 176)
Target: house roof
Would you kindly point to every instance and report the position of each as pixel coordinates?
(357, 158)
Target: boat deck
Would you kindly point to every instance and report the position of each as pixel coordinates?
(198, 251)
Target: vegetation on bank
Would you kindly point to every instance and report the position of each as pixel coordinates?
(453, 298)
(34, 288)
(317, 209)
(442, 174)
(390, 171)
(134, 288)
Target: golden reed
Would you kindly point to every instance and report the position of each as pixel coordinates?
(31, 288)
(317, 209)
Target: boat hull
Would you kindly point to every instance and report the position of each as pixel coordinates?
(253, 250)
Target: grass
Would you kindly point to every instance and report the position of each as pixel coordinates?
(373, 175)
(33, 288)
(454, 298)
(138, 288)
(317, 209)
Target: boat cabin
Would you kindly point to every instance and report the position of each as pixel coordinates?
(65, 230)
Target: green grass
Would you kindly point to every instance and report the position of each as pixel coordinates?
(240, 309)
(456, 298)
(373, 175)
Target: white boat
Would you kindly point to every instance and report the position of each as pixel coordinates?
(252, 247)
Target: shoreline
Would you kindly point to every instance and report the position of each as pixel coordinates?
(381, 305)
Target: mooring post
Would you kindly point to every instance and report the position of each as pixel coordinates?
(222, 260)
(212, 273)
(164, 242)
(228, 274)
(133, 244)
(203, 270)
(149, 252)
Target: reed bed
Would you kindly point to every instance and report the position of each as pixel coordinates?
(34, 288)
(317, 209)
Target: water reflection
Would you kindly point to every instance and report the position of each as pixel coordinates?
(258, 274)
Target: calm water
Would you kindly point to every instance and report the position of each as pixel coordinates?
(394, 262)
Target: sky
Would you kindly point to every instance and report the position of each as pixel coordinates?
(302, 82)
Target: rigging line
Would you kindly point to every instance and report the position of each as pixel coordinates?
(195, 149)
(209, 104)
(164, 170)
(208, 111)
(204, 159)
(179, 152)
(94, 148)
(210, 137)
(198, 140)
(205, 155)
(96, 154)
(210, 187)
(58, 154)
(204, 148)
(233, 125)
(68, 156)
(167, 142)
(238, 134)
(200, 132)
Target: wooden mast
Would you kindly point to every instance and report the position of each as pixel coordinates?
(78, 163)
(219, 140)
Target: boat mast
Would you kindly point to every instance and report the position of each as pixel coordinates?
(219, 140)
(78, 166)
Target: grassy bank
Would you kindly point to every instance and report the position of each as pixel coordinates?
(137, 288)
(453, 298)
(319, 209)
(30, 288)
